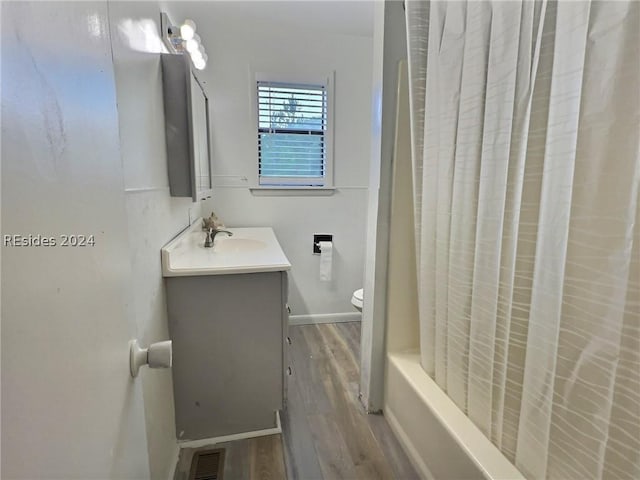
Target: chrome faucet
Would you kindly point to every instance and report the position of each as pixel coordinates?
(211, 236)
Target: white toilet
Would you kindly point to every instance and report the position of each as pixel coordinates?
(357, 299)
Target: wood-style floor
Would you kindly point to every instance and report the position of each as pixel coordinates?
(326, 432)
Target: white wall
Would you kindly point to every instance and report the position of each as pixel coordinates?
(241, 37)
(154, 217)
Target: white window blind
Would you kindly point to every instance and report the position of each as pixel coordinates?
(292, 125)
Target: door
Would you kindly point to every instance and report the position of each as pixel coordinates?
(69, 406)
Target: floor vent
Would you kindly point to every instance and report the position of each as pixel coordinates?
(207, 465)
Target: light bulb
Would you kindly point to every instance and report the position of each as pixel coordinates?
(196, 56)
(191, 45)
(188, 29)
(199, 63)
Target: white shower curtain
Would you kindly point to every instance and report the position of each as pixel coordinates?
(525, 125)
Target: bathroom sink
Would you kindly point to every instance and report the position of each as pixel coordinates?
(248, 250)
(237, 245)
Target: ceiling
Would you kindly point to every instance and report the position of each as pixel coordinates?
(334, 16)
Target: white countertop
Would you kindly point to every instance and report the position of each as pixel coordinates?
(249, 250)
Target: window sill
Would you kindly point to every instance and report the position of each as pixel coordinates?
(292, 191)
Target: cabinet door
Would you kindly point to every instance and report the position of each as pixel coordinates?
(187, 133)
(227, 352)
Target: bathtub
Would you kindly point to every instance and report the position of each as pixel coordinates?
(439, 439)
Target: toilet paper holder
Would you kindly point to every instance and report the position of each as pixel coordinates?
(158, 355)
(320, 237)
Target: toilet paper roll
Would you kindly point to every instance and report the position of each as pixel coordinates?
(159, 355)
(326, 260)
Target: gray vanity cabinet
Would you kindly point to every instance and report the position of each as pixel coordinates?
(230, 337)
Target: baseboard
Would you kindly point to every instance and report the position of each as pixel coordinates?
(407, 445)
(325, 318)
(230, 438)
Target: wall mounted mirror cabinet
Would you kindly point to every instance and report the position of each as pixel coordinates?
(187, 128)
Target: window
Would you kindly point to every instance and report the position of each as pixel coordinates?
(293, 140)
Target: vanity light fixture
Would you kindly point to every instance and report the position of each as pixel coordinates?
(183, 39)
